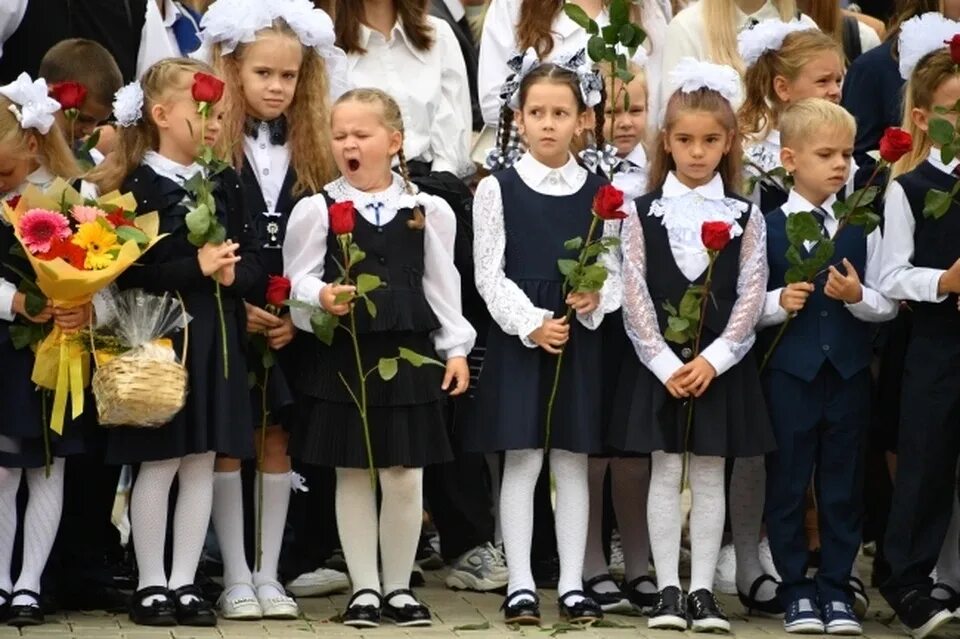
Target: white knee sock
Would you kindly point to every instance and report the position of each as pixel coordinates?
(192, 517)
(747, 491)
(521, 469)
(706, 519)
(276, 501)
(948, 563)
(148, 521)
(663, 516)
(227, 515)
(9, 485)
(40, 525)
(401, 517)
(572, 512)
(630, 483)
(357, 524)
(594, 561)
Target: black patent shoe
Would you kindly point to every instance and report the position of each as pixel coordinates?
(362, 615)
(643, 602)
(584, 611)
(705, 612)
(757, 607)
(525, 612)
(615, 602)
(25, 615)
(197, 611)
(670, 613)
(162, 612)
(415, 614)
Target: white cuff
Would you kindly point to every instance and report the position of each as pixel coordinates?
(719, 355)
(456, 351)
(591, 321)
(933, 285)
(7, 291)
(308, 290)
(532, 323)
(773, 313)
(665, 364)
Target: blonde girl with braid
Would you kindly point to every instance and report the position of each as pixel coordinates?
(408, 238)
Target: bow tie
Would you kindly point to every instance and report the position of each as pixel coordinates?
(277, 128)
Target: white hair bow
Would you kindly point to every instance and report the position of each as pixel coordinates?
(692, 75)
(32, 105)
(128, 104)
(921, 35)
(764, 36)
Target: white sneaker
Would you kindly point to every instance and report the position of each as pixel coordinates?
(481, 569)
(319, 583)
(766, 559)
(275, 603)
(239, 602)
(725, 576)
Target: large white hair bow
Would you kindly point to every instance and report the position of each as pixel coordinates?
(764, 36)
(32, 105)
(692, 75)
(921, 35)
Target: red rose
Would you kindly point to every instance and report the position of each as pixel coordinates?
(342, 216)
(72, 254)
(278, 290)
(206, 88)
(715, 235)
(895, 143)
(13, 201)
(118, 219)
(70, 95)
(607, 203)
(954, 43)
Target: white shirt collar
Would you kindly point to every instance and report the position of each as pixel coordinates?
(169, 169)
(395, 195)
(934, 158)
(396, 32)
(796, 203)
(766, 12)
(637, 157)
(712, 190)
(170, 13)
(535, 173)
(42, 177)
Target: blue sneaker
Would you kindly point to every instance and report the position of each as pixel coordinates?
(802, 617)
(840, 619)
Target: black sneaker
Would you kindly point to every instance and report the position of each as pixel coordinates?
(670, 613)
(705, 612)
(921, 614)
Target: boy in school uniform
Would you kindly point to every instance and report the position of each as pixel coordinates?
(817, 381)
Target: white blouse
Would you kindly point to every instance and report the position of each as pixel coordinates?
(631, 177)
(509, 306)
(305, 249)
(682, 211)
(430, 87)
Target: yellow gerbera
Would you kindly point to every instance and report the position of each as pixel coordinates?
(100, 244)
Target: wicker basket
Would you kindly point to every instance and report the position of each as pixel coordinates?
(131, 391)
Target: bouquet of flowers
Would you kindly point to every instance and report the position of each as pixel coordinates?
(139, 380)
(76, 247)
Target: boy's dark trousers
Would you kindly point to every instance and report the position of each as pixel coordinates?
(820, 427)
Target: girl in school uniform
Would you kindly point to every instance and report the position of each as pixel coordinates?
(693, 180)
(922, 266)
(522, 217)
(33, 151)
(408, 238)
(155, 156)
(278, 72)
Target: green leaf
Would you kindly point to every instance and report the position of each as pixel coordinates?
(356, 254)
(794, 275)
(387, 367)
(194, 184)
(367, 282)
(34, 302)
(679, 327)
(475, 626)
(267, 359)
(690, 306)
(619, 12)
(90, 142)
(576, 13)
(594, 250)
(217, 234)
(626, 77)
(639, 35)
(324, 324)
(610, 35)
(22, 335)
(823, 253)
(341, 298)
(593, 28)
(936, 203)
(841, 209)
(573, 244)
(196, 240)
(670, 308)
(371, 307)
(794, 258)
(131, 233)
(865, 218)
(803, 227)
(596, 47)
(610, 55)
(566, 267)
(591, 279)
(941, 110)
(417, 360)
(198, 220)
(941, 131)
(869, 195)
(948, 152)
(627, 34)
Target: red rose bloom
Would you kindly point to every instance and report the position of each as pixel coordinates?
(206, 88)
(72, 254)
(607, 203)
(715, 235)
(342, 216)
(278, 290)
(70, 95)
(954, 43)
(118, 219)
(894, 144)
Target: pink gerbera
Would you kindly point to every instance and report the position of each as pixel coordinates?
(83, 214)
(40, 227)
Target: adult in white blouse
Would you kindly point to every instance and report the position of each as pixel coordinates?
(395, 46)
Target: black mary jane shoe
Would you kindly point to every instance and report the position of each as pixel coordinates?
(525, 612)
(162, 612)
(756, 607)
(584, 611)
(643, 602)
(415, 614)
(197, 611)
(21, 616)
(615, 601)
(5, 606)
(363, 615)
(951, 603)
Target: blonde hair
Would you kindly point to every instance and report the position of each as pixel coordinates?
(308, 116)
(392, 119)
(803, 119)
(720, 26)
(761, 110)
(53, 152)
(159, 83)
(932, 71)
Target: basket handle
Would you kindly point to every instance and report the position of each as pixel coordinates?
(186, 335)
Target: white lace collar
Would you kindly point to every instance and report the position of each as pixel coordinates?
(165, 167)
(683, 209)
(535, 173)
(394, 196)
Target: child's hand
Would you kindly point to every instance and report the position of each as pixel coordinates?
(328, 297)
(214, 257)
(19, 307)
(457, 369)
(845, 288)
(551, 335)
(72, 319)
(259, 320)
(950, 280)
(281, 335)
(583, 303)
(675, 389)
(695, 376)
(794, 296)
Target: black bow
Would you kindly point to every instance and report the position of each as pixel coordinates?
(277, 128)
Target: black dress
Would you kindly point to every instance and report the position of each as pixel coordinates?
(406, 414)
(216, 416)
(515, 381)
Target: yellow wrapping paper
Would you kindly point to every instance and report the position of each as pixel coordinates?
(62, 363)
